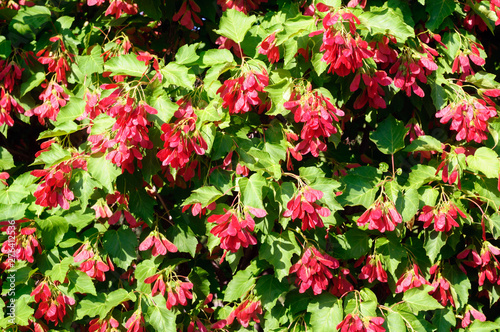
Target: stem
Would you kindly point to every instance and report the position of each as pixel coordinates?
(393, 169)
(482, 217)
(164, 206)
(296, 177)
(241, 54)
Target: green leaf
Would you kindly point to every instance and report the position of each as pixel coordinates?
(355, 243)
(278, 250)
(311, 174)
(126, 65)
(270, 290)
(439, 95)
(160, 318)
(152, 9)
(386, 21)
(478, 326)
(318, 64)
(29, 20)
(389, 135)
(494, 225)
(328, 187)
(176, 74)
(395, 322)
(291, 47)
(211, 80)
(485, 161)
(64, 22)
(103, 171)
(58, 271)
(487, 188)
(451, 40)
(204, 195)
(296, 26)
(187, 54)
(483, 79)
(444, 319)
(93, 63)
(418, 299)
(283, 193)
(213, 112)
(360, 186)
(420, 175)
(100, 305)
(434, 241)
(260, 161)
(23, 311)
(408, 204)
(27, 180)
(6, 159)
(145, 269)
(12, 211)
(460, 284)
(62, 129)
(80, 282)
(402, 8)
(208, 133)
(331, 3)
(275, 142)
(183, 238)
(3, 322)
(160, 101)
(80, 219)
(369, 302)
(22, 273)
(222, 180)
(223, 144)
(392, 252)
(438, 10)
(493, 293)
(251, 190)
(240, 285)
(13, 194)
(121, 245)
(76, 75)
(234, 25)
(70, 240)
(102, 123)
(494, 129)
(200, 279)
(415, 323)
(55, 155)
(142, 205)
(279, 93)
(326, 312)
(367, 306)
(83, 186)
(424, 143)
(33, 81)
(5, 48)
(393, 190)
(215, 56)
(52, 230)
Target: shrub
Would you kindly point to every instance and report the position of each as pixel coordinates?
(249, 165)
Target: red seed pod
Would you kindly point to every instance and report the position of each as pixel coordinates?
(268, 47)
(313, 270)
(382, 216)
(234, 232)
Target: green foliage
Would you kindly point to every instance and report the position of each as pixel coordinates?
(255, 165)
